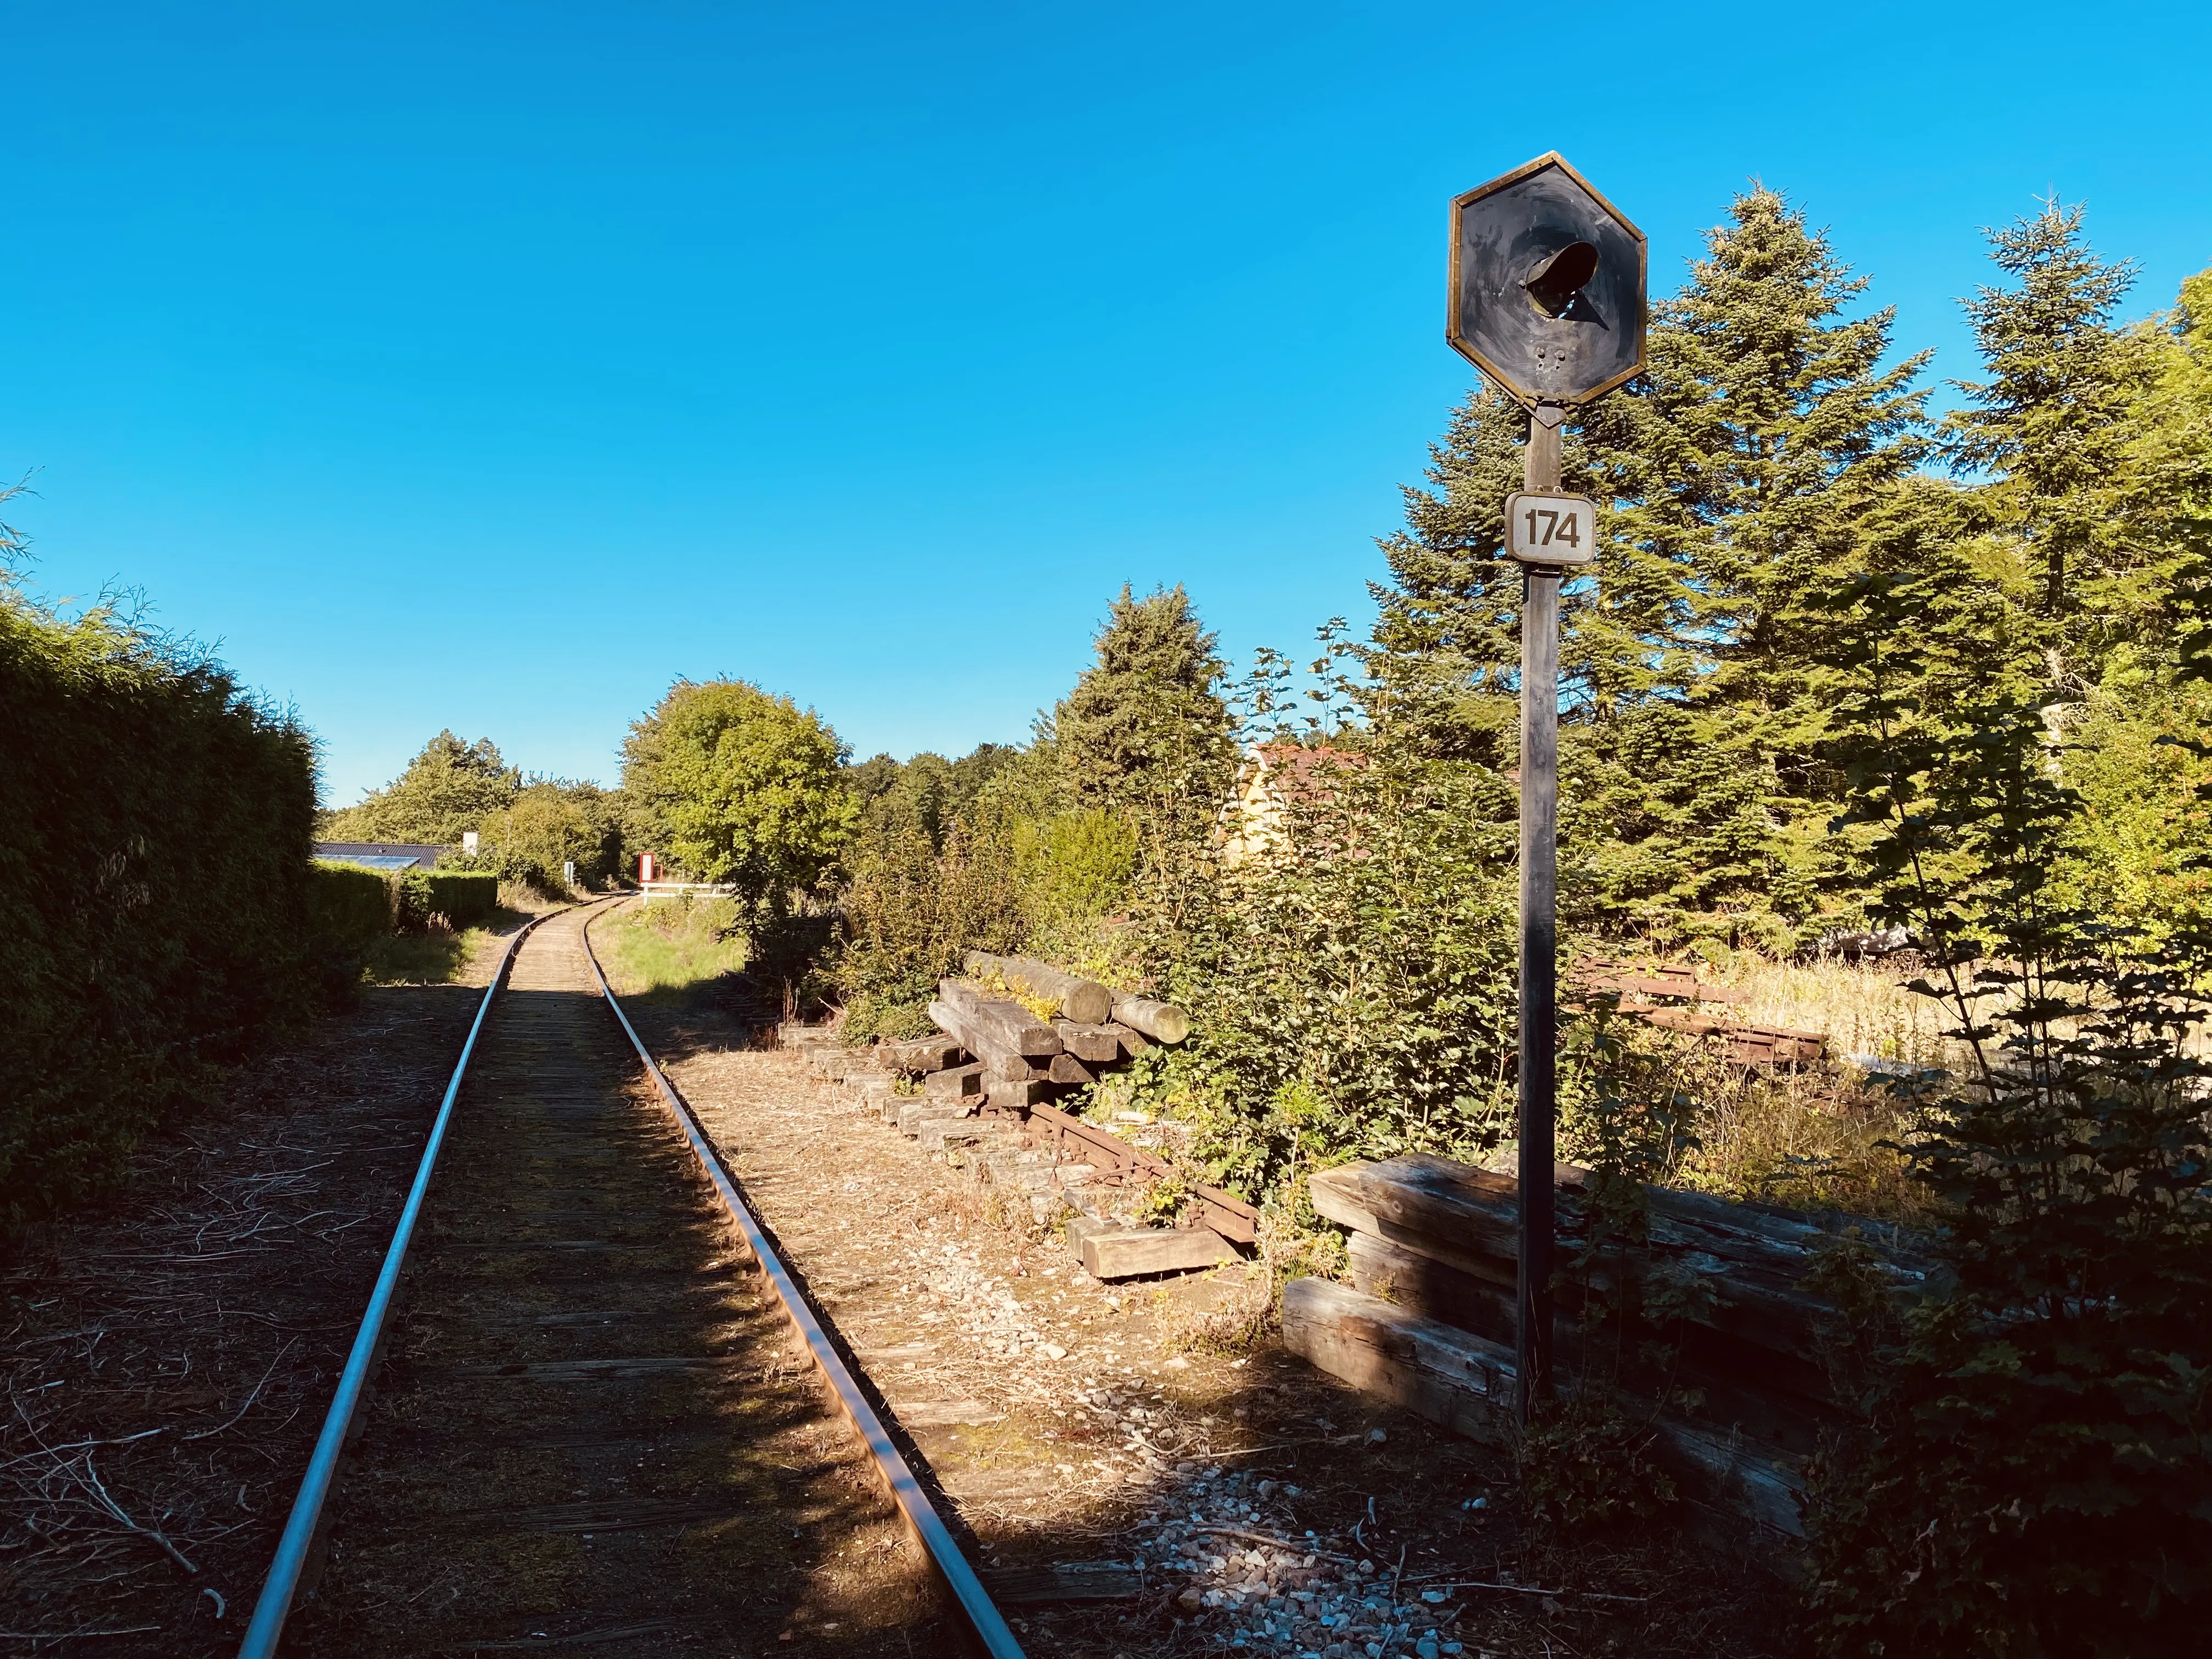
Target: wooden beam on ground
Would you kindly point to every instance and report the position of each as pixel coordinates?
(955, 1083)
(1466, 1384)
(1751, 1259)
(1026, 1096)
(1099, 1045)
(983, 1039)
(1111, 1250)
(1162, 1021)
(1066, 1069)
(1013, 1026)
(929, 1054)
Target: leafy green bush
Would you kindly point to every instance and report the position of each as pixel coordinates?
(548, 826)
(155, 892)
(2032, 1473)
(1351, 990)
(465, 898)
(736, 785)
(348, 907)
(914, 907)
(448, 788)
(1073, 868)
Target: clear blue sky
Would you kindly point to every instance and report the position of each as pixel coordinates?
(486, 366)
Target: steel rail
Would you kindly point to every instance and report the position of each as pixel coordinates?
(277, 1589)
(984, 1622)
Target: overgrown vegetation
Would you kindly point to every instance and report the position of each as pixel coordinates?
(670, 944)
(155, 892)
(1040, 848)
(1839, 665)
(2032, 1471)
(529, 830)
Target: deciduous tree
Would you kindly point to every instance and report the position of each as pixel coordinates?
(745, 785)
(448, 788)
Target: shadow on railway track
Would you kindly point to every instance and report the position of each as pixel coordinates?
(591, 1435)
(592, 1430)
(1276, 1480)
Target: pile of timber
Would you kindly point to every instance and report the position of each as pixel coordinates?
(1427, 1321)
(988, 1082)
(1021, 1059)
(1665, 996)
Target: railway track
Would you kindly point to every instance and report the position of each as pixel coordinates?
(603, 1418)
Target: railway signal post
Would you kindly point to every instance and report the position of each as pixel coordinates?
(1547, 290)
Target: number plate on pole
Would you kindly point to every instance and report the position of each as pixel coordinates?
(1551, 529)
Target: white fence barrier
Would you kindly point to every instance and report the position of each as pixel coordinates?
(676, 889)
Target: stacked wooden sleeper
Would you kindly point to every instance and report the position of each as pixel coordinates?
(1001, 1064)
(1427, 1321)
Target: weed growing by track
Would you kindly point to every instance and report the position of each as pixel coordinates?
(670, 944)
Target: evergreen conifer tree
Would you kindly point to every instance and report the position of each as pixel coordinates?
(1739, 474)
(1145, 727)
(1446, 646)
(1742, 469)
(2050, 428)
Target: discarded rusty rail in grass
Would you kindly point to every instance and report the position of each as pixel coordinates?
(294, 1548)
(1749, 1044)
(978, 1615)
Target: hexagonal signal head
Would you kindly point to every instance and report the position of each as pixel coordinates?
(1547, 285)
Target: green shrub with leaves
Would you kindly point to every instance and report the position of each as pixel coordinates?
(546, 826)
(156, 891)
(1072, 869)
(2032, 1474)
(1352, 991)
(929, 879)
(348, 907)
(450, 786)
(465, 898)
(737, 785)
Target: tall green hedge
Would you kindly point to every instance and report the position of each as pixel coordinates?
(350, 906)
(464, 897)
(155, 827)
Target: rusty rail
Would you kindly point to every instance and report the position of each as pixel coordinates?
(1232, 1218)
(984, 1621)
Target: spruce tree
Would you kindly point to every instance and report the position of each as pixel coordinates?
(1742, 469)
(1145, 727)
(1446, 646)
(2171, 459)
(1737, 475)
(2050, 428)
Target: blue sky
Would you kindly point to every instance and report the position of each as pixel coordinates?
(487, 367)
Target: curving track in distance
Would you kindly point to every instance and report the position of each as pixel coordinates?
(587, 1430)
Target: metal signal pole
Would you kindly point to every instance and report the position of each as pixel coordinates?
(1540, 826)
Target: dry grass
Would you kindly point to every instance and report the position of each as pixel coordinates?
(1822, 1138)
(1863, 1011)
(1806, 1141)
(440, 955)
(1819, 1138)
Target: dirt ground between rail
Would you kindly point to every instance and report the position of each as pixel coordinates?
(1151, 1437)
(166, 1358)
